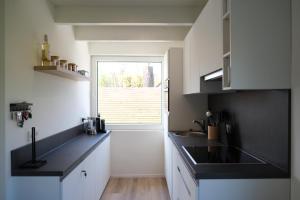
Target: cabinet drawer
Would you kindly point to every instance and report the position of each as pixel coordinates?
(190, 188)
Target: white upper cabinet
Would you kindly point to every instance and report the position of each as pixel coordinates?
(203, 46)
(249, 39)
(257, 44)
(208, 38)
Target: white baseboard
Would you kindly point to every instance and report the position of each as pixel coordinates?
(137, 176)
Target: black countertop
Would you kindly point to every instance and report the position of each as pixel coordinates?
(223, 171)
(62, 160)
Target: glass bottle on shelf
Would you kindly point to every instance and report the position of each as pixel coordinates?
(45, 52)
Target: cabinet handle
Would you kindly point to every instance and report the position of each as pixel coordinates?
(84, 173)
(185, 185)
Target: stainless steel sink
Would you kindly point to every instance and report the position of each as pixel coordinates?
(189, 133)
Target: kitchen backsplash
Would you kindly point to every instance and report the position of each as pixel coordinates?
(261, 122)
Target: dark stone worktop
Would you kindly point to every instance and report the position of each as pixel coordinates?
(223, 171)
(63, 159)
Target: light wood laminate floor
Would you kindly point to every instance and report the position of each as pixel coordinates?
(136, 189)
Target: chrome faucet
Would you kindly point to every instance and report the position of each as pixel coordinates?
(201, 123)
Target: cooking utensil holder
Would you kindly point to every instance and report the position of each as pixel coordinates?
(213, 133)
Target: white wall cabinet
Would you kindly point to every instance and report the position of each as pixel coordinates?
(203, 47)
(86, 181)
(256, 44)
(249, 40)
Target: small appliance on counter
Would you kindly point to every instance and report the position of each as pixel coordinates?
(94, 125)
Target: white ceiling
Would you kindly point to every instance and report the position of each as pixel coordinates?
(129, 2)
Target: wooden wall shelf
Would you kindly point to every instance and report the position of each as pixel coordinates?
(58, 71)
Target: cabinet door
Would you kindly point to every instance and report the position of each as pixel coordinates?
(72, 185)
(177, 187)
(90, 180)
(187, 64)
(208, 38)
(260, 45)
(169, 165)
(168, 161)
(102, 166)
(177, 184)
(194, 61)
(190, 189)
(184, 187)
(203, 47)
(106, 163)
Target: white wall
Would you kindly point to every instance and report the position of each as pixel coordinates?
(2, 138)
(58, 103)
(137, 153)
(132, 48)
(296, 102)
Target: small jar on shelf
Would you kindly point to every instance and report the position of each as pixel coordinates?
(72, 67)
(63, 64)
(55, 60)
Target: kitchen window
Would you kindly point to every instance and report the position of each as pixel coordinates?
(129, 90)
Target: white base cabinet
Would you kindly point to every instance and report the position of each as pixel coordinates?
(86, 182)
(244, 189)
(168, 156)
(72, 184)
(184, 187)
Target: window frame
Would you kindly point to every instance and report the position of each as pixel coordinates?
(94, 89)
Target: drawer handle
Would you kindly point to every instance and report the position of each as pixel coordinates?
(186, 187)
